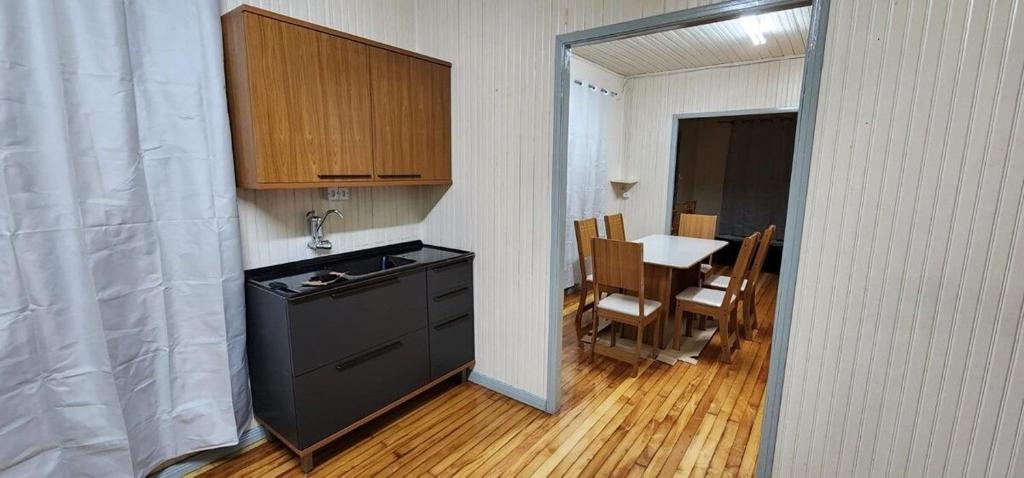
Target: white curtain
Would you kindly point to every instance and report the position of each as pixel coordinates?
(121, 307)
(590, 126)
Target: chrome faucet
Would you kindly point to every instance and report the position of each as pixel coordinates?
(316, 229)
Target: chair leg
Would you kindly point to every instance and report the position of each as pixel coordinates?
(593, 334)
(677, 330)
(734, 319)
(658, 326)
(579, 314)
(689, 324)
(703, 322)
(726, 338)
(657, 337)
(752, 309)
(639, 349)
(615, 333)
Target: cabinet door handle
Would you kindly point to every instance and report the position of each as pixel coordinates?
(377, 352)
(448, 294)
(445, 267)
(452, 321)
(344, 176)
(399, 176)
(360, 288)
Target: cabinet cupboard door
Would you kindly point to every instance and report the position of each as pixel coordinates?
(411, 123)
(348, 141)
(286, 100)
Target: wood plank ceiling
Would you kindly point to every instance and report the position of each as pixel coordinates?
(703, 46)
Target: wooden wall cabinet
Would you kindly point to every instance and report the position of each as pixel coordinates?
(315, 107)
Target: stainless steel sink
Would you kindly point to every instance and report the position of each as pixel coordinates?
(368, 266)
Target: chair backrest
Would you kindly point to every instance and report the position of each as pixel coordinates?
(740, 268)
(762, 252)
(614, 227)
(618, 265)
(586, 229)
(703, 226)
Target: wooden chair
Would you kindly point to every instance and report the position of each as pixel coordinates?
(716, 303)
(748, 288)
(586, 231)
(703, 226)
(614, 227)
(619, 265)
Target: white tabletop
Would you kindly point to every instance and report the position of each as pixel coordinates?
(676, 251)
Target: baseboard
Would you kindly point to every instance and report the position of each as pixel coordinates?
(509, 391)
(203, 458)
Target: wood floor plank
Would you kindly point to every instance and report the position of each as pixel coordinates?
(681, 420)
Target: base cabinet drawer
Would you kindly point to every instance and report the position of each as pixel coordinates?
(337, 395)
(451, 344)
(449, 277)
(329, 328)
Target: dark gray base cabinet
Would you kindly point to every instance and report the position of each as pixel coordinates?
(320, 364)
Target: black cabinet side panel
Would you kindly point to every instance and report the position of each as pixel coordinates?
(270, 361)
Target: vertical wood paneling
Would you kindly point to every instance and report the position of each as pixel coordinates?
(651, 101)
(904, 353)
(499, 204)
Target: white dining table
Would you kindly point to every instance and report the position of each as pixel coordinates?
(678, 252)
(671, 263)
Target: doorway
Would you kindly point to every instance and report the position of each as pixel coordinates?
(735, 165)
(795, 206)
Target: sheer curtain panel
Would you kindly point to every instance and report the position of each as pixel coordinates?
(590, 112)
(122, 326)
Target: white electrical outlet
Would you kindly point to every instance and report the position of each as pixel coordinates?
(337, 194)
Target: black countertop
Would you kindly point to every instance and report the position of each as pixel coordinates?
(286, 280)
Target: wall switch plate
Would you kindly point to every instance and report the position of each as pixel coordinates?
(338, 194)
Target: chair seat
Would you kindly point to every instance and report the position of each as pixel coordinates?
(627, 304)
(705, 268)
(703, 296)
(722, 282)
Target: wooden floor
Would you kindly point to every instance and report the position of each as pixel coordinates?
(681, 420)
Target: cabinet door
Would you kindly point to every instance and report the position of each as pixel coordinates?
(439, 163)
(411, 114)
(345, 80)
(286, 100)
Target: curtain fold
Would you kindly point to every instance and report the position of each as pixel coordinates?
(590, 113)
(122, 330)
(757, 172)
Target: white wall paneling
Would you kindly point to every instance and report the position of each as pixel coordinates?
(499, 205)
(904, 358)
(905, 350)
(651, 102)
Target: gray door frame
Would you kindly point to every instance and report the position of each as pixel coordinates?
(797, 192)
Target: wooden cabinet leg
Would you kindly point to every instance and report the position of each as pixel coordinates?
(306, 462)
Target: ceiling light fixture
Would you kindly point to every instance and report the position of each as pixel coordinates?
(755, 30)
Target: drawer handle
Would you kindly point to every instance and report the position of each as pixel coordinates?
(451, 322)
(344, 176)
(447, 295)
(368, 356)
(447, 266)
(399, 176)
(360, 288)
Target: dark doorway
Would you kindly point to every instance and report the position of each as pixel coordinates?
(737, 168)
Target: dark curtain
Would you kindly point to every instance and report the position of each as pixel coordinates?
(757, 173)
